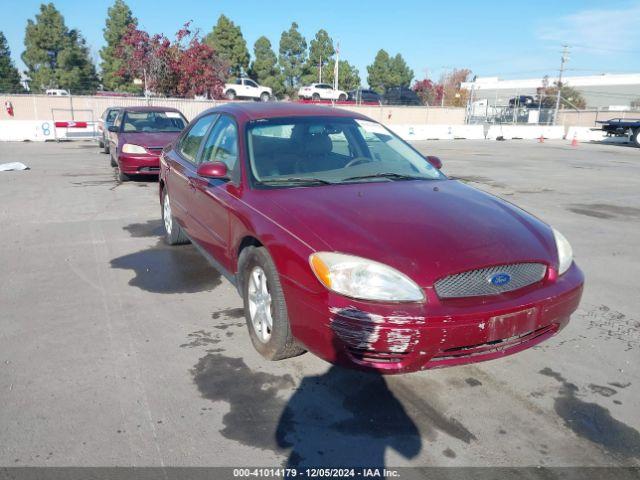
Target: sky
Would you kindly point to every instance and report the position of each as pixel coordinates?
(492, 38)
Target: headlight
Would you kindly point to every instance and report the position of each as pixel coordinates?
(131, 148)
(361, 278)
(565, 252)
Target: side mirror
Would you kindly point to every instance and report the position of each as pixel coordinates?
(213, 170)
(435, 161)
(113, 128)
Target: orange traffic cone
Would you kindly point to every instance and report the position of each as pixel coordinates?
(574, 142)
(541, 139)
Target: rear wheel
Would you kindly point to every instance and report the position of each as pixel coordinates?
(264, 306)
(635, 138)
(105, 147)
(231, 95)
(342, 97)
(173, 233)
(315, 96)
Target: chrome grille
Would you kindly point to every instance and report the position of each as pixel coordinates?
(474, 283)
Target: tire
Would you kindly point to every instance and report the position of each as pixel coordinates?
(123, 177)
(113, 162)
(315, 97)
(264, 97)
(105, 147)
(231, 94)
(635, 137)
(278, 343)
(173, 232)
(342, 97)
(100, 144)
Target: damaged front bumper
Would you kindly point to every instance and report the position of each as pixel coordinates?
(400, 338)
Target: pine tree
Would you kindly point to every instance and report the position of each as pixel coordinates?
(227, 40)
(9, 75)
(119, 17)
(55, 56)
(321, 52)
(387, 72)
(348, 75)
(293, 52)
(264, 68)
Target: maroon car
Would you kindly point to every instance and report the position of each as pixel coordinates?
(138, 135)
(345, 241)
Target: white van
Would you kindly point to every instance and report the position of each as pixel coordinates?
(56, 92)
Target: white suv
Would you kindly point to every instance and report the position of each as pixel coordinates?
(247, 88)
(321, 91)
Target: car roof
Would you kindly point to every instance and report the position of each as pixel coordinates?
(150, 109)
(247, 111)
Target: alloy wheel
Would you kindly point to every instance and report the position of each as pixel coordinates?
(259, 300)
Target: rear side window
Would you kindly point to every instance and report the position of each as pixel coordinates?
(190, 143)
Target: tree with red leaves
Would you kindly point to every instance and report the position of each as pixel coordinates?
(429, 92)
(185, 67)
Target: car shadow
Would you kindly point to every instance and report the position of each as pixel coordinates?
(166, 269)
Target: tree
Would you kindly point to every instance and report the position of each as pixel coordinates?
(55, 56)
(321, 52)
(429, 92)
(184, 67)
(9, 75)
(293, 52)
(378, 71)
(569, 97)
(264, 68)
(348, 75)
(227, 40)
(119, 17)
(401, 74)
(454, 94)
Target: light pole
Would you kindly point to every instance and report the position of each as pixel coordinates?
(563, 60)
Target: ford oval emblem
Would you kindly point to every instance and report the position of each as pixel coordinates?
(499, 279)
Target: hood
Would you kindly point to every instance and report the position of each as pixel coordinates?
(425, 229)
(148, 139)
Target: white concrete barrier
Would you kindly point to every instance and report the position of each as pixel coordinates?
(437, 132)
(22, 130)
(586, 134)
(530, 132)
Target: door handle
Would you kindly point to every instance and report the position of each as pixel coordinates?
(191, 184)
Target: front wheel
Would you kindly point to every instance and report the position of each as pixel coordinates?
(315, 97)
(173, 233)
(342, 97)
(265, 307)
(264, 97)
(635, 138)
(231, 95)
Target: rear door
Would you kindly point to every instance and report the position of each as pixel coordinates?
(212, 197)
(182, 163)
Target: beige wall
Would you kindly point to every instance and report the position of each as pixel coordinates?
(39, 107)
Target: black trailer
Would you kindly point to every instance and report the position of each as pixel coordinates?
(622, 127)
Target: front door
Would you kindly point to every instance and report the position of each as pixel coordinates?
(211, 205)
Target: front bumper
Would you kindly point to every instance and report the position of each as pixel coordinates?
(400, 338)
(139, 164)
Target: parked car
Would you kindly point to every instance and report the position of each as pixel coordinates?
(138, 136)
(345, 241)
(321, 91)
(247, 88)
(401, 96)
(363, 95)
(105, 121)
(57, 92)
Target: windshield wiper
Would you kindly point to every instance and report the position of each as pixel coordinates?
(389, 175)
(300, 180)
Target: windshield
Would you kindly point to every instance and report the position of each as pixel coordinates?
(322, 150)
(153, 122)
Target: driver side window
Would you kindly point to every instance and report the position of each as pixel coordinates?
(222, 144)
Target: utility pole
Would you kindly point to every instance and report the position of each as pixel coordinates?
(563, 60)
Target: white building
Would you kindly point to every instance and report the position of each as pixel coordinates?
(600, 91)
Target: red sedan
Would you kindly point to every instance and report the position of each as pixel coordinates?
(343, 240)
(138, 135)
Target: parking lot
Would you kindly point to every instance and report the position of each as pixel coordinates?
(116, 349)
